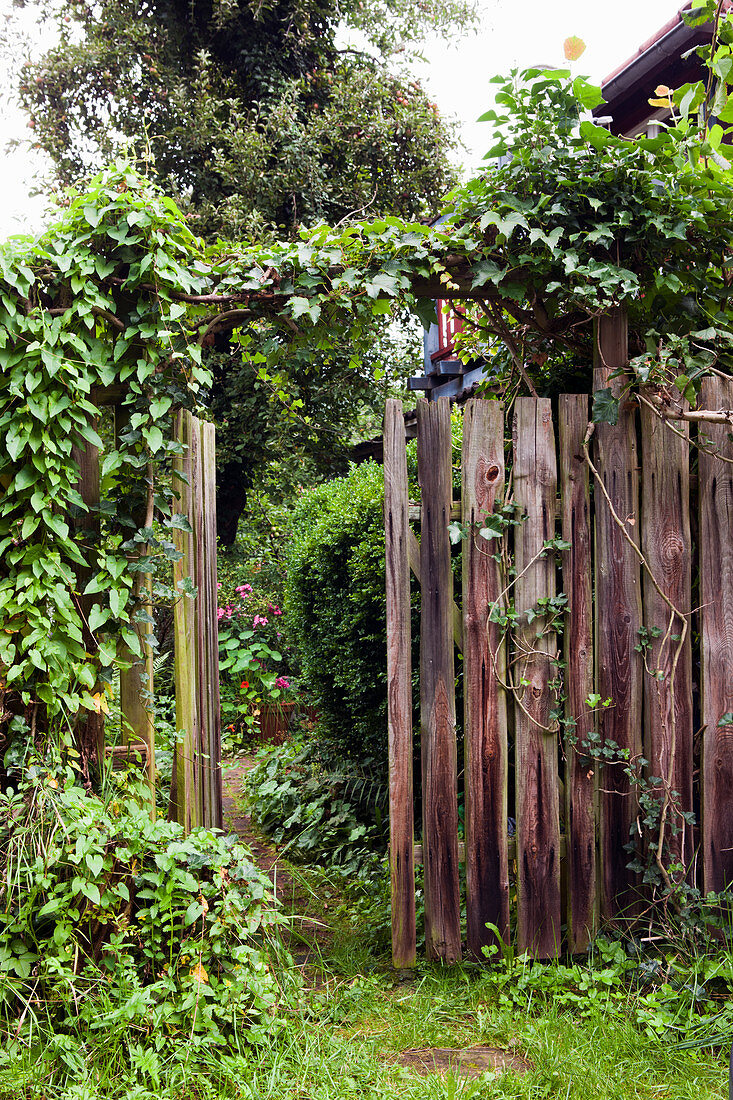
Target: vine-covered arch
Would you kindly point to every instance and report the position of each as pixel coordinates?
(120, 301)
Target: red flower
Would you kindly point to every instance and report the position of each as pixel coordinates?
(244, 684)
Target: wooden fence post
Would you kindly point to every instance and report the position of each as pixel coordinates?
(484, 668)
(186, 650)
(618, 619)
(665, 542)
(90, 730)
(539, 915)
(716, 632)
(437, 689)
(399, 688)
(581, 787)
(136, 682)
(196, 796)
(209, 632)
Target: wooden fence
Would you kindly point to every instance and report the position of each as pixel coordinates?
(566, 867)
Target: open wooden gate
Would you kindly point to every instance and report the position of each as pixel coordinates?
(574, 797)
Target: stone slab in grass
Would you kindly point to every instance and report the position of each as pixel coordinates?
(469, 1062)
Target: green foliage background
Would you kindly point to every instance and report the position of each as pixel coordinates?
(252, 113)
(335, 606)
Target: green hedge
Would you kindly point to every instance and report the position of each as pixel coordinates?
(335, 603)
(335, 607)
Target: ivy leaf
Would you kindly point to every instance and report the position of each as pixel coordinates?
(589, 95)
(487, 271)
(95, 862)
(382, 284)
(605, 407)
(300, 307)
(25, 477)
(492, 529)
(97, 616)
(596, 136)
(179, 522)
(154, 437)
(88, 432)
(57, 525)
(425, 309)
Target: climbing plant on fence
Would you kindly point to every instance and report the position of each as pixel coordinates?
(94, 304)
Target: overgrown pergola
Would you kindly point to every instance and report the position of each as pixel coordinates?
(119, 302)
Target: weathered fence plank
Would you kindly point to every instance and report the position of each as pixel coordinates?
(484, 669)
(716, 632)
(209, 632)
(399, 688)
(665, 543)
(618, 619)
(537, 790)
(186, 807)
(581, 786)
(437, 694)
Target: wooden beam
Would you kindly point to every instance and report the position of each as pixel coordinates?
(437, 687)
(399, 688)
(511, 851)
(454, 514)
(484, 670)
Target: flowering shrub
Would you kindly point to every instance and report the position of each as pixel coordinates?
(336, 613)
(251, 661)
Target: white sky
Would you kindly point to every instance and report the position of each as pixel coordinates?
(513, 33)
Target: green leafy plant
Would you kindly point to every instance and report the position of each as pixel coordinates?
(319, 809)
(112, 922)
(94, 302)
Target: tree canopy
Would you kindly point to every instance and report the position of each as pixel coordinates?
(258, 119)
(252, 114)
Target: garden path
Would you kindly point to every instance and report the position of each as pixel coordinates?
(308, 935)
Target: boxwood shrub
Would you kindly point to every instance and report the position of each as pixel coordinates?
(335, 606)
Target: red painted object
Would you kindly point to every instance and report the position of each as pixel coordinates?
(450, 322)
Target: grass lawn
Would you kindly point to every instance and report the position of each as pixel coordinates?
(359, 1018)
(345, 1019)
